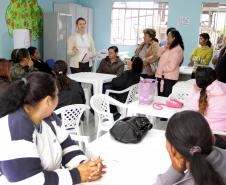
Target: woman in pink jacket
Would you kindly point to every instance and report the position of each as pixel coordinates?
(208, 97)
(171, 57)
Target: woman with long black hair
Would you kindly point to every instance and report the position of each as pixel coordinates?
(36, 148)
(170, 59)
(194, 158)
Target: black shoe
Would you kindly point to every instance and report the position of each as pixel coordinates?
(116, 116)
(163, 119)
(92, 111)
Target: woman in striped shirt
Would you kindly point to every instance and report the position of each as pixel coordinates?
(36, 149)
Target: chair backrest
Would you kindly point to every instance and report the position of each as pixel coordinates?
(50, 63)
(133, 90)
(71, 115)
(100, 104)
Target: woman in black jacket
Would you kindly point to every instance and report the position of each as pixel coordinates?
(36, 58)
(127, 78)
(70, 91)
(221, 66)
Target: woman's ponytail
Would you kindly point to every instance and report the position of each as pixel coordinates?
(193, 140)
(203, 172)
(209, 44)
(203, 102)
(204, 77)
(60, 71)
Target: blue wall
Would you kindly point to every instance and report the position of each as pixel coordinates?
(102, 23)
(190, 32)
(177, 8)
(6, 42)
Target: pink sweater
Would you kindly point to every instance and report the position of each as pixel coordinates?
(216, 111)
(169, 62)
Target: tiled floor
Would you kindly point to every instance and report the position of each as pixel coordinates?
(90, 130)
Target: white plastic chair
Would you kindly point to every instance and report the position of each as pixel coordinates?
(100, 103)
(221, 133)
(70, 117)
(132, 92)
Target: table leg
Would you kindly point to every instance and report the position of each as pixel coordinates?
(97, 89)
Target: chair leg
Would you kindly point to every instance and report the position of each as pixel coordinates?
(83, 141)
(87, 117)
(98, 132)
(81, 127)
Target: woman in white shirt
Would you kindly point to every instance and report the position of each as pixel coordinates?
(81, 48)
(37, 149)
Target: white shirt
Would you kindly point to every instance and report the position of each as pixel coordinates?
(84, 47)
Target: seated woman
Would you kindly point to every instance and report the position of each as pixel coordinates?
(36, 58)
(70, 91)
(195, 160)
(36, 148)
(201, 55)
(5, 79)
(112, 64)
(128, 78)
(148, 50)
(207, 98)
(219, 52)
(221, 65)
(22, 63)
(5, 67)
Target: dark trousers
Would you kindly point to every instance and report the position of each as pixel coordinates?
(168, 86)
(106, 86)
(220, 142)
(193, 75)
(147, 76)
(83, 67)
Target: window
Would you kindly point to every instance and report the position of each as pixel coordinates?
(213, 21)
(130, 18)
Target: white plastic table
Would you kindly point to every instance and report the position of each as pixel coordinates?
(96, 79)
(148, 110)
(131, 164)
(186, 70)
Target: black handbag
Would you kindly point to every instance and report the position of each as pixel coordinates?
(130, 129)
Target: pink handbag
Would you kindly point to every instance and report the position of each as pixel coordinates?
(172, 102)
(146, 91)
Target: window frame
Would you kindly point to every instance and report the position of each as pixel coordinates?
(215, 9)
(163, 8)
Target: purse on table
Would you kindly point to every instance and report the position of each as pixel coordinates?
(172, 102)
(130, 129)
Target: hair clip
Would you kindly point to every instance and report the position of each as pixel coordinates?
(24, 80)
(60, 72)
(195, 149)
